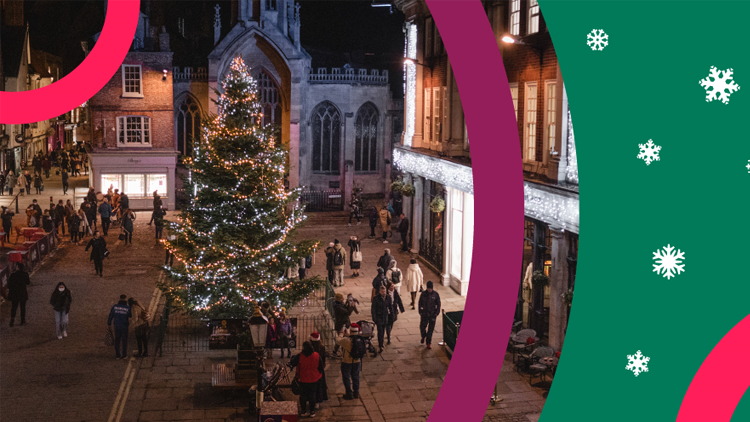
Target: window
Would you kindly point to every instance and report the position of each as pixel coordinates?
(156, 182)
(533, 25)
(181, 26)
(134, 184)
(269, 98)
(514, 96)
(550, 103)
(366, 139)
(438, 42)
(113, 180)
(515, 17)
(326, 137)
(529, 130)
(457, 229)
(133, 131)
(428, 37)
(187, 125)
(132, 81)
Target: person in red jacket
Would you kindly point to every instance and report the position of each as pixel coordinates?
(309, 372)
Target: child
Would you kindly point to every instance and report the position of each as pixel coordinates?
(352, 303)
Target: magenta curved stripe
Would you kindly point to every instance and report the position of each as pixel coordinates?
(86, 80)
(498, 213)
(718, 386)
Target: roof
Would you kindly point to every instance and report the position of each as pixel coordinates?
(13, 38)
(45, 64)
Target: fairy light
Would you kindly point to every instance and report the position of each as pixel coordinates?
(551, 207)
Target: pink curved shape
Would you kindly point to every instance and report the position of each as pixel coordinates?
(498, 214)
(716, 389)
(86, 80)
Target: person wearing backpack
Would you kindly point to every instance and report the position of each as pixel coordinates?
(141, 318)
(353, 346)
(329, 262)
(429, 309)
(338, 261)
(382, 306)
(356, 255)
(385, 261)
(378, 282)
(394, 276)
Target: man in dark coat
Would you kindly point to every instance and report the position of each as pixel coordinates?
(378, 281)
(17, 293)
(65, 181)
(373, 221)
(120, 314)
(329, 261)
(60, 216)
(403, 228)
(382, 305)
(385, 261)
(429, 309)
(37, 212)
(98, 247)
(105, 211)
(91, 214)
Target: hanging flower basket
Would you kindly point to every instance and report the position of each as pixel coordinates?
(408, 190)
(397, 185)
(437, 205)
(567, 297)
(539, 280)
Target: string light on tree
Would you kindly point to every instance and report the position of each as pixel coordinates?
(232, 239)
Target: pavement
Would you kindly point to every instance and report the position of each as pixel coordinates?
(78, 379)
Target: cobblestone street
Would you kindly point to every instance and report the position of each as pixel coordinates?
(78, 379)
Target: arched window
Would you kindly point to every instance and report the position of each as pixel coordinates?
(269, 98)
(326, 138)
(187, 124)
(366, 139)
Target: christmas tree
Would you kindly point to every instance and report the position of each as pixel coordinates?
(232, 239)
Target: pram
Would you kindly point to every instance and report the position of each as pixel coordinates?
(273, 380)
(366, 331)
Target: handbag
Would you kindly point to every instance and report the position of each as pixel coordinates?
(41, 188)
(106, 253)
(296, 387)
(121, 236)
(357, 255)
(109, 338)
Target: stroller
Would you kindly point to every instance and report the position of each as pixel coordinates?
(366, 331)
(272, 382)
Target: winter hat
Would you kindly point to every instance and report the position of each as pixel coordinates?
(336, 241)
(380, 270)
(315, 337)
(354, 329)
(429, 284)
(339, 297)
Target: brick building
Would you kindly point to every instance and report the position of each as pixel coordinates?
(131, 126)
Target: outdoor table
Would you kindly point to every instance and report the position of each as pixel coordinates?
(28, 232)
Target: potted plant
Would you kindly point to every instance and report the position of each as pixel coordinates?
(567, 297)
(397, 185)
(408, 190)
(437, 205)
(539, 280)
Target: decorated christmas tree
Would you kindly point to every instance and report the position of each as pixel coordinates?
(232, 241)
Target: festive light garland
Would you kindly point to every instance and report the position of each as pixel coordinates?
(551, 206)
(571, 171)
(442, 171)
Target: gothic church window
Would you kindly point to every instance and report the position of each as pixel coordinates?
(366, 139)
(269, 98)
(187, 124)
(326, 138)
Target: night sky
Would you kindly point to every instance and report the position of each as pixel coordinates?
(333, 32)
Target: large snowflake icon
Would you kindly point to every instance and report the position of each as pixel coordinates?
(597, 39)
(669, 263)
(637, 363)
(649, 152)
(719, 85)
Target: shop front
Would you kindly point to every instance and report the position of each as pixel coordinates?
(136, 174)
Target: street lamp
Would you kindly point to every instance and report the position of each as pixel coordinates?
(258, 331)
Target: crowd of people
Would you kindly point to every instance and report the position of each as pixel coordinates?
(68, 164)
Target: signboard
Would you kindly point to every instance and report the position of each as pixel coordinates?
(224, 333)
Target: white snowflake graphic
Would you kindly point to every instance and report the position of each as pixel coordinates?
(669, 263)
(748, 166)
(637, 363)
(597, 39)
(649, 152)
(721, 86)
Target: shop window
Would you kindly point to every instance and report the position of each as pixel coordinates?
(326, 138)
(533, 13)
(133, 131)
(113, 180)
(515, 17)
(134, 185)
(156, 182)
(366, 139)
(132, 83)
(187, 125)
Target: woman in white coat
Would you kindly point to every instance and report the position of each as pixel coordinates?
(413, 280)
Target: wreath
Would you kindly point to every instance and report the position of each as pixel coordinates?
(437, 205)
(539, 280)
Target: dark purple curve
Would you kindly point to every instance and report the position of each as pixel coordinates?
(498, 213)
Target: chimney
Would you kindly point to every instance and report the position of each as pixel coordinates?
(163, 39)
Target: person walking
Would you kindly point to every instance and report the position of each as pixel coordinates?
(385, 222)
(373, 221)
(124, 201)
(105, 212)
(74, 222)
(271, 337)
(3, 177)
(350, 366)
(403, 228)
(413, 280)
(17, 293)
(10, 182)
(377, 282)
(91, 196)
(429, 309)
(65, 181)
(46, 165)
(394, 276)
(21, 183)
(142, 328)
(7, 217)
(309, 371)
(339, 260)
(83, 224)
(329, 262)
(120, 315)
(48, 223)
(157, 200)
(28, 180)
(127, 225)
(157, 216)
(355, 262)
(385, 261)
(381, 309)
(38, 183)
(91, 214)
(60, 301)
(284, 333)
(59, 214)
(98, 252)
(396, 306)
(322, 393)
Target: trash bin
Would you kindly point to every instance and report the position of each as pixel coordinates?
(451, 326)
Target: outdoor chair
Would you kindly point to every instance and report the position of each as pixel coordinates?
(536, 367)
(518, 342)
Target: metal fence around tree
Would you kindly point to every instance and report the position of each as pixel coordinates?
(323, 200)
